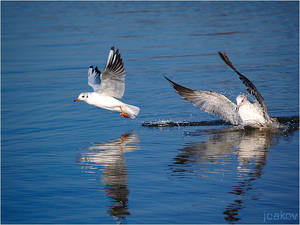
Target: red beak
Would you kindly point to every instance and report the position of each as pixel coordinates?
(77, 99)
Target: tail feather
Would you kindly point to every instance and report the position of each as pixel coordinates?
(131, 110)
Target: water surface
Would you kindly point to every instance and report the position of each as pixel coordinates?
(65, 162)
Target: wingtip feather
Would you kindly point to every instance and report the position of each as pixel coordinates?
(168, 79)
(114, 62)
(181, 90)
(175, 85)
(225, 58)
(97, 70)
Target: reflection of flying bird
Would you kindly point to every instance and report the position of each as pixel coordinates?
(243, 113)
(110, 156)
(112, 86)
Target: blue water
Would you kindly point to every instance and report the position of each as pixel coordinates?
(65, 162)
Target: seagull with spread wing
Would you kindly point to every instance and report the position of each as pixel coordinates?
(243, 113)
(108, 86)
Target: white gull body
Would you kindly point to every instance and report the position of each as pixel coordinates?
(251, 114)
(108, 86)
(243, 113)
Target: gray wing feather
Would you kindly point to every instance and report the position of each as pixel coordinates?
(113, 76)
(210, 102)
(94, 78)
(252, 90)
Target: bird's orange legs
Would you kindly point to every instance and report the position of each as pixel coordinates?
(122, 113)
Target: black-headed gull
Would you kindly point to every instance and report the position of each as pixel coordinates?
(108, 86)
(243, 113)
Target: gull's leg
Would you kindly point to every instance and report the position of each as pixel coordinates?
(122, 113)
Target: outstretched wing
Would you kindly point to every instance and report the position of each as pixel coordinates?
(113, 76)
(250, 86)
(210, 102)
(94, 78)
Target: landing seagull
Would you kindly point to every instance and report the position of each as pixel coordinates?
(243, 113)
(108, 86)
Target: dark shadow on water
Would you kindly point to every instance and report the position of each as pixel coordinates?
(167, 123)
(292, 121)
(250, 146)
(108, 157)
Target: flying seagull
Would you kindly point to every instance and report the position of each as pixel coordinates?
(243, 113)
(108, 86)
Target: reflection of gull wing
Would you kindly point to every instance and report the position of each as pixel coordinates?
(219, 145)
(108, 153)
(210, 102)
(94, 78)
(250, 86)
(113, 76)
(200, 152)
